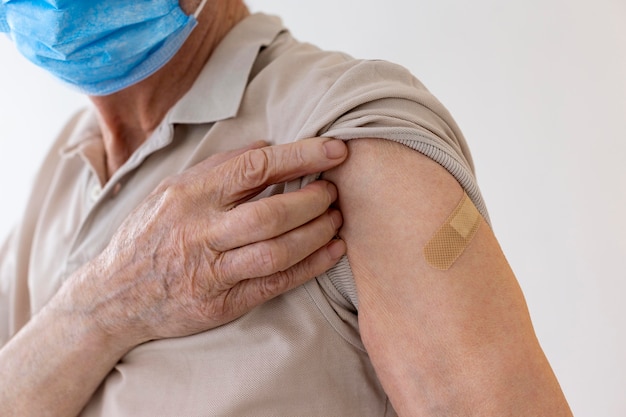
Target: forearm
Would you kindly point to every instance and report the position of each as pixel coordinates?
(194, 255)
(54, 365)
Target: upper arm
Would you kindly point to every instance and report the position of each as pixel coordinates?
(443, 342)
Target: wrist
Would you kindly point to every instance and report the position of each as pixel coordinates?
(91, 314)
(60, 357)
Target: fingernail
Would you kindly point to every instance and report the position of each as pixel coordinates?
(334, 149)
(336, 249)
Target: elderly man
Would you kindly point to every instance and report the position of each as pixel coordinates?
(143, 281)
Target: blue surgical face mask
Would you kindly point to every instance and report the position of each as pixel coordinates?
(98, 46)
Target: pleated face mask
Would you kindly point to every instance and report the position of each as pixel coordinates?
(97, 46)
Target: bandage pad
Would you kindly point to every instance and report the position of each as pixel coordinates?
(449, 242)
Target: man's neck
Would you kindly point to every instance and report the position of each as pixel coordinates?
(128, 117)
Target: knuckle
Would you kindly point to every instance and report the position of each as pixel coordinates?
(268, 214)
(296, 153)
(269, 259)
(312, 267)
(273, 285)
(255, 215)
(322, 192)
(172, 191)
(326, 227)
(163, 205)
(217, 236)
(222, 269)
(220, 306)
(255, 167)
(302, 271)
(260, 218)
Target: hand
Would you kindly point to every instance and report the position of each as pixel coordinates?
(197, 254)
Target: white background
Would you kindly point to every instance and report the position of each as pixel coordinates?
(538, 87)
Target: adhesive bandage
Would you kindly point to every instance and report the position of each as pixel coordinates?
(449, 242)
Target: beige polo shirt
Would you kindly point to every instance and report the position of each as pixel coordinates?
(297, 355)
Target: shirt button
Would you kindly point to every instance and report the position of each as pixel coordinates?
(96, 191)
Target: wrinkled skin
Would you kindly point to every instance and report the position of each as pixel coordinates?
(195, 255)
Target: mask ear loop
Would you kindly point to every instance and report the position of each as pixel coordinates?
(199, 9)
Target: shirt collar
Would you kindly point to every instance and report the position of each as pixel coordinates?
(215, 95)
(218, 90)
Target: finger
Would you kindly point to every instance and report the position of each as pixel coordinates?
(221, 157)
(279, 254)
(252, 292)
(247, 174)
(273, 216)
